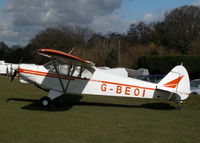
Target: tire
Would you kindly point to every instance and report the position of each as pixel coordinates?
(45, 101)
(178, 107)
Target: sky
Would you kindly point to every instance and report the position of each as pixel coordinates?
(21, 20)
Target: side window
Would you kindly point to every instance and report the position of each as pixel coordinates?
(86, 74)
(63, 69)
(82, 72)
(71, 70)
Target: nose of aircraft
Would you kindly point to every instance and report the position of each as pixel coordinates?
(27, 71)
(27, 68)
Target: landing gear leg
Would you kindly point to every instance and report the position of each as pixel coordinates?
(47, 100)
(178, 104)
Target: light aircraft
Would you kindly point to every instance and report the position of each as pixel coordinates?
(68, 74)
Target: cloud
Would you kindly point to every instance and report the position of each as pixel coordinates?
(108, 23)
(149, 17)
(24, 18)
(197, 3)
(159, 15)
(152, 17)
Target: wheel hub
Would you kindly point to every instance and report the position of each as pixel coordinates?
(45, 102)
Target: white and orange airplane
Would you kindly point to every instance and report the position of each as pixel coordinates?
(68, 74)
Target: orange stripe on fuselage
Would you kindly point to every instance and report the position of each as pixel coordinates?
(44, 74)
(39, 73)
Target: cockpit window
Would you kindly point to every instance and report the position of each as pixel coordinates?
(69, 69)
(48, 65)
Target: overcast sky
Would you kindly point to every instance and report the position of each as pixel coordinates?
(20, 20)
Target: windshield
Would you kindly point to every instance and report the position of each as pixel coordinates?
(48, 65)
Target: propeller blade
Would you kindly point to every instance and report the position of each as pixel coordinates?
(14, 75)
(7, 71)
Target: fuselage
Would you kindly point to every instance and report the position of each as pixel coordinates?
(98, 82)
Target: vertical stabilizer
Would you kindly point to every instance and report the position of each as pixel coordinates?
(176, 81)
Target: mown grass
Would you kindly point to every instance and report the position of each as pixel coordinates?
(94, 119)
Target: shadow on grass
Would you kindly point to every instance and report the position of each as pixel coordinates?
(65, 103)
(62, 103)
(21, 99)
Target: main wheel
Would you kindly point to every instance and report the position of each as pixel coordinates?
(45, 101)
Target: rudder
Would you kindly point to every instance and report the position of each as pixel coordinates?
(176, 81)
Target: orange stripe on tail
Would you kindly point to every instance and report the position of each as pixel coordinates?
(173, 83)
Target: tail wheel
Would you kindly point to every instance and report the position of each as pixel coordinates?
(45, 101)
(178, 104)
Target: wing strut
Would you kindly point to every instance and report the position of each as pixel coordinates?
(72, 67)
(81, 71)
(60, 80)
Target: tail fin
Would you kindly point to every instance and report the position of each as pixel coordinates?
(176, 81)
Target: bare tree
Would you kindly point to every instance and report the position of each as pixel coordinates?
(183, 26)
(63, 37)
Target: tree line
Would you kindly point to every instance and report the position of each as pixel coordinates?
(177, 34)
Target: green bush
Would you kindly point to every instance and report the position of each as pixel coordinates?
(163, 64)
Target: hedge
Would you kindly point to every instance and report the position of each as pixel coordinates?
(163, 64)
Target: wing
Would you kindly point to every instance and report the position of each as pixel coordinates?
(62, 56)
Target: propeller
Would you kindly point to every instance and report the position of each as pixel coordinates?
(14, 75)
(7, 72)
(16, 72)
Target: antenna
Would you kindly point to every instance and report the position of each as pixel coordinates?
(119, 56)
(21, 60)
(71, 51)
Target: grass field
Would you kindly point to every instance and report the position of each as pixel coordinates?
(93, 119)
